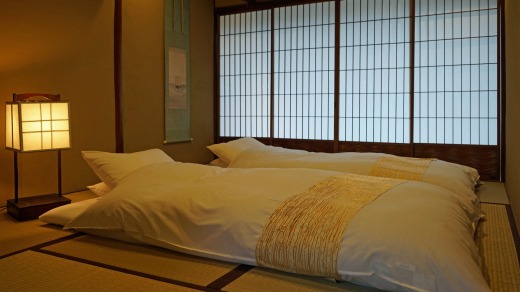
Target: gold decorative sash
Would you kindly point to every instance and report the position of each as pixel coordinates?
(304, 234)
(401, 167)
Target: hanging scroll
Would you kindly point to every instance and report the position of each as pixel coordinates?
(177, 71)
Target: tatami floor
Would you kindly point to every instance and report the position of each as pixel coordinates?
(35, 256)
(493, 192)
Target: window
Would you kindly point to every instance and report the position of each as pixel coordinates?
(456, 83)
(415, 78)
(374, 71)
(245, 70)
(304, 71)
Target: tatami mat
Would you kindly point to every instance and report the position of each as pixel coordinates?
(260, 280)
(16, 235)
(145, 259)
(33, 271)
(498, 250)
(25, 234)
(168, 264)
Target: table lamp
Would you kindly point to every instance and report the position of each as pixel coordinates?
(36, 122)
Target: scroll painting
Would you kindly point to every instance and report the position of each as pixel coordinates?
(177, 71)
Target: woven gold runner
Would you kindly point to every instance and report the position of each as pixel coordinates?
(401, 167)
(304, 234)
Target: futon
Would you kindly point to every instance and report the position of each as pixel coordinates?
(392, 234)
(247, 152)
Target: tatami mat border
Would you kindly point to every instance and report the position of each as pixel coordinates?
(45, 244)
(216, 285)
(514, 230)
(230, 277)
(131, 272)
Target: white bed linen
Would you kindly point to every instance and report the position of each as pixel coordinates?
(455, 177)
(63, 214)
(414, 237)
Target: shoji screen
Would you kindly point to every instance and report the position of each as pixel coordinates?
(304, 71)
(408, 77)
(456, 66)
(245, 61)
(374, 71)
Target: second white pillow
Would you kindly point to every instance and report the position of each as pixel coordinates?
(112, 167)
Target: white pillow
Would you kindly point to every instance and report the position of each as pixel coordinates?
(112, 167)
(228, 151)
(100, 189)
(63, 214)
(218, 162)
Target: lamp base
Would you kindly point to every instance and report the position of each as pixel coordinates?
(29, 208)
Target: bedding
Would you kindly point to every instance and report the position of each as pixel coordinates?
(454, 177)
(112, 167)
(412, 237)
(63, 214)
(100, 189)
(229, 150)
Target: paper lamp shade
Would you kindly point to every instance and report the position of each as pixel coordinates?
(37, 126)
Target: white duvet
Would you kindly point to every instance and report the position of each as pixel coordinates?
(454, 177)
(416, 236)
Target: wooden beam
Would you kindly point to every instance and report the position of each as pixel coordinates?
(118, 76)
